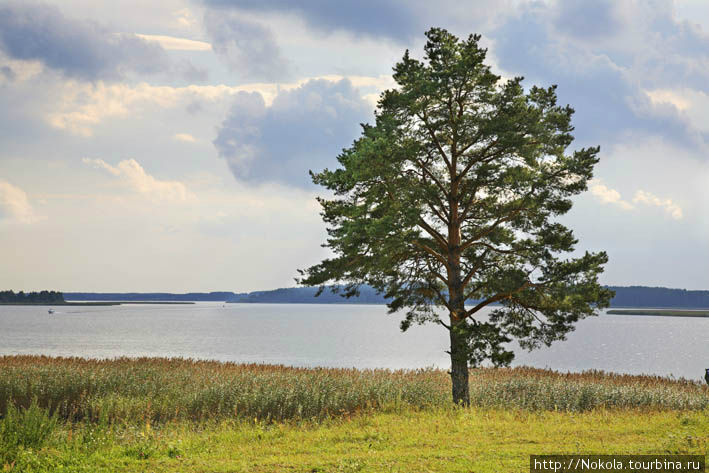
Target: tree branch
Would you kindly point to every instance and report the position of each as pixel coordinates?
(436, 273)
(475, 269)
(432, 133)
(443, 243)
(494, 248)
(497, 297)
(434, 178)
(490, 229)
(431, 252)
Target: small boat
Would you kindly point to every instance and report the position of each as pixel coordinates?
(51, 311)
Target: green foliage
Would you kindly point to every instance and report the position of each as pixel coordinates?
(453, 194)
(24, 429)
(143, 446)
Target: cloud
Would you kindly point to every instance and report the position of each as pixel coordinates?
(606, 195)
(247, 47)
(14, 205)
(177, 44)
(78, 49)
(376, 18)
(171, 247)
(184, 18)
(135, 178)
(83, 106)
(691, 104)
(13, 70)
(185, 137)
(80, 107)
(668, 97)
(647, 198)
(604, 68)
(587, 20)
(304, 128)
(8, 73)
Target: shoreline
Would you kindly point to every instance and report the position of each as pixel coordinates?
(660, 312)
(96, 303)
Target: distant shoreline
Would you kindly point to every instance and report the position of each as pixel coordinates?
(101, 303)
(632, 297)
(660, 312)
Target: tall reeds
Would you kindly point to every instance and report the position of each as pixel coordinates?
(162, 390)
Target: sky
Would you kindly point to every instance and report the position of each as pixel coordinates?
(165, 146)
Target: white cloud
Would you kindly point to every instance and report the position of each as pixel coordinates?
(692, 104)
(14, 205)
(606, 195)
(185, 18)
(18, 70)
(177, 44)
(185, 137)
(381, 82)
(672, 209)
(669, 97)
(83, 106)
(135, 178)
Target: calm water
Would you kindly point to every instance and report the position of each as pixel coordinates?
(362, 336)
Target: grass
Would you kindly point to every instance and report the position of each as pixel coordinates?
(24, 429)
(661, 312)
(71, 414)
(432, 440)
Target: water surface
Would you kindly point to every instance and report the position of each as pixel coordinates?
(361, 336)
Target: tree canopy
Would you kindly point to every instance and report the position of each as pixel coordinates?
(453, 194)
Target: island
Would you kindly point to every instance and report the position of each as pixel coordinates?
(57, 298)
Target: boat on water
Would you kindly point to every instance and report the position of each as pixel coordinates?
(51, 311)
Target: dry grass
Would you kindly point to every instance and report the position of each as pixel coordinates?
(160, 390)
(538, 389)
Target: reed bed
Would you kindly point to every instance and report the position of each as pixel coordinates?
(537, 389)
(152, 390)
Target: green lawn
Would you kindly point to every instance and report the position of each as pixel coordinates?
(438, 440)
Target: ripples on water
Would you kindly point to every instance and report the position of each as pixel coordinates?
(361, 336)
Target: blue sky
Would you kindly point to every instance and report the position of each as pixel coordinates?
(164, 146)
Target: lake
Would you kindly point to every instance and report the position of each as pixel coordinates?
(361, 336)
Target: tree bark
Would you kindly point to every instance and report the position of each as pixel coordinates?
(456, 291)
(459, 367)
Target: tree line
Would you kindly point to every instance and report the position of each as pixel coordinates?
(31, 297)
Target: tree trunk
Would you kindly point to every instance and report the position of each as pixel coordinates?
(456, 293)
(459, 367)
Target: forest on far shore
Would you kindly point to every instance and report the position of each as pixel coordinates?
(10, 297)
(625, 296)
